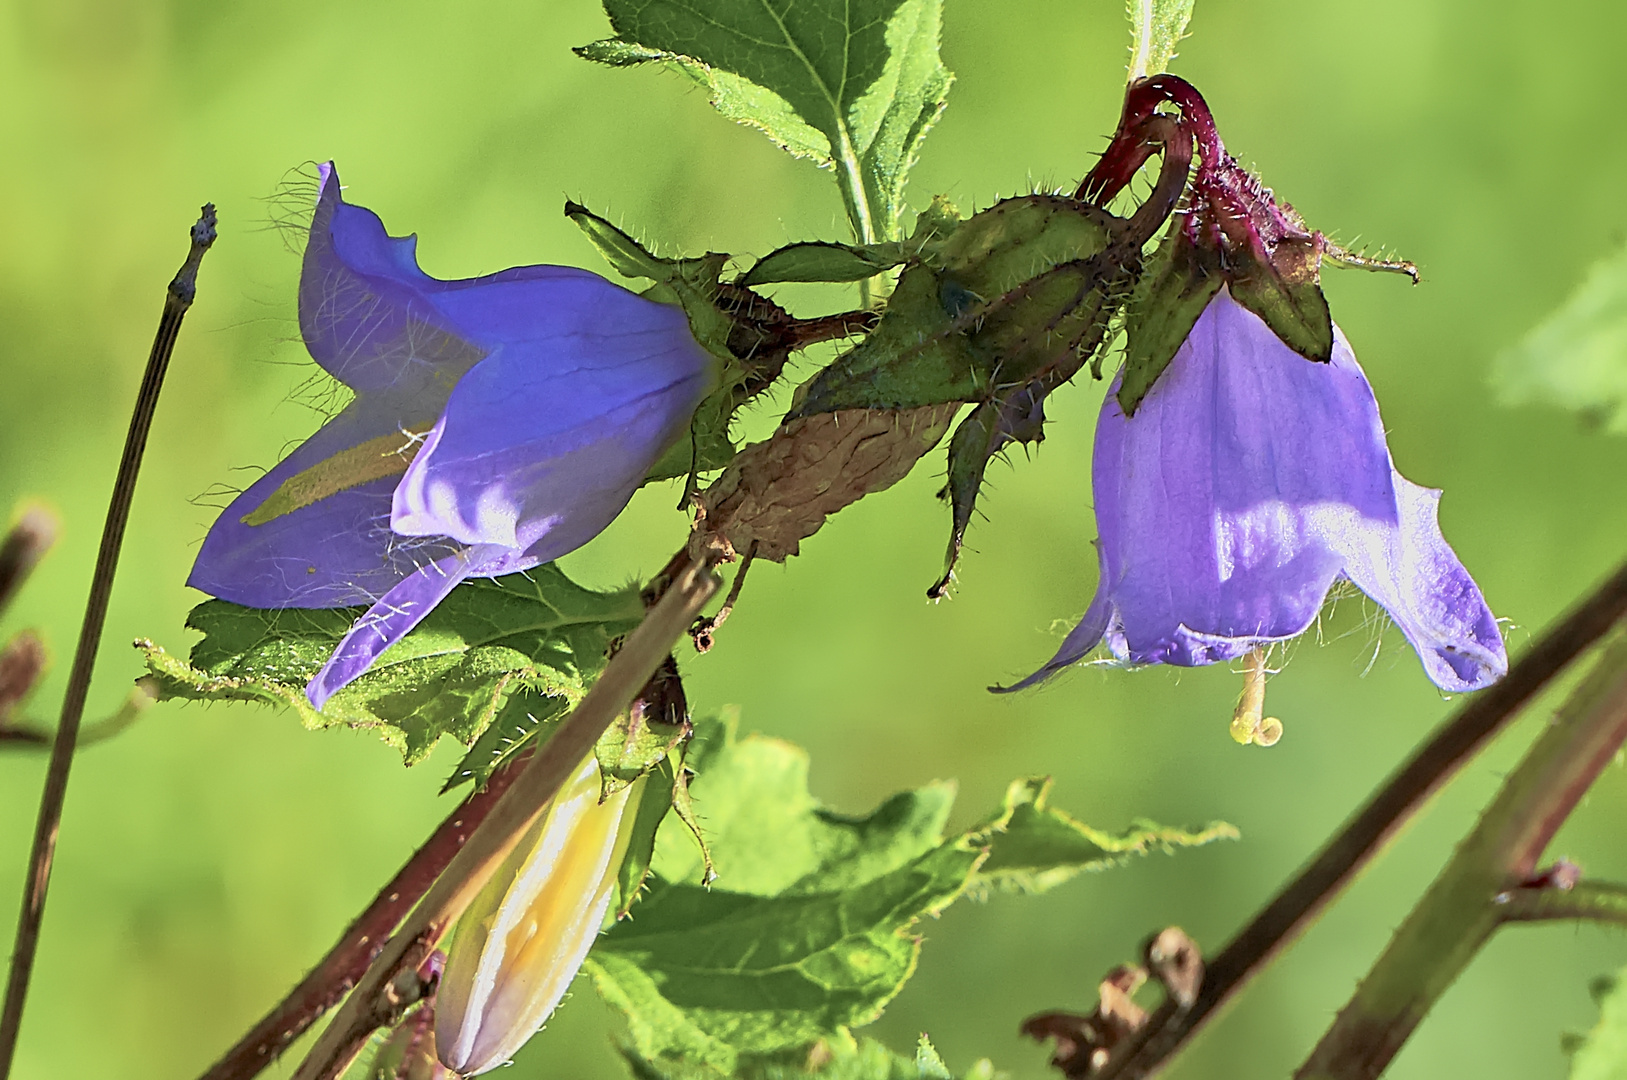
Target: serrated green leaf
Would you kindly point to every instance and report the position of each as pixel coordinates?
(1016, 416)
(522, 719)
(769, 835)
(1176, 286)
(1033, 848)
(852, 84)
(835, 1059)
(1156, 27)
(1576, 358)
(1602, 1053)
(820, 261)
(808, 933)
(451, 675)
(712, 976)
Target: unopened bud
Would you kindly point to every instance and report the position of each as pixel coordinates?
(521, 942)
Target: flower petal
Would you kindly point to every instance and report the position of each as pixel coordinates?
(545, 440)
(1415, 575)
(1248, 481)
(362, 305)
(335, 552)
(394, 616)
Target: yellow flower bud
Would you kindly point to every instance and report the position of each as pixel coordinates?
(519, 945)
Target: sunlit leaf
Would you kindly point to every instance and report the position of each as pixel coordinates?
(852, 84)
(1156, 27)
(452, 675)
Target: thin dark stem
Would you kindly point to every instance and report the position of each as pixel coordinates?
(181, 292)
(1595, 900)
(347, 961)
(23, 547)
(1366, 833)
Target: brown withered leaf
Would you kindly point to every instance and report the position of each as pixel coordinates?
(779, 492)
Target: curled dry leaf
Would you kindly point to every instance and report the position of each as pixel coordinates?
(777, 493)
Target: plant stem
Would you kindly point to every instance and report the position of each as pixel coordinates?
(347, 961)
(1303, 898)
(181, 292)
(628, 671)
(1469, 899)
(1595, 900)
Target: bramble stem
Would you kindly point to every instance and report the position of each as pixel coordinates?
(1303, 898)
(182, 289)
(347, 961)
(1471, 897)
(1596, 900)
(646, 648)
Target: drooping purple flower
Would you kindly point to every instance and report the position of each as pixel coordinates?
(1247, 482)
(498, 423)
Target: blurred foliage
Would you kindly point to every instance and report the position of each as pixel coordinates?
(1576, 358)
(210, 854)
(1601, 1054)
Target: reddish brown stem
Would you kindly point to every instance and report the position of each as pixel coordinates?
(1302, 899)
(345, 963)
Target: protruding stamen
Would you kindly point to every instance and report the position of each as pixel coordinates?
(1249, 724)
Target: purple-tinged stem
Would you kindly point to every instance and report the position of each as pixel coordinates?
(182, 289)
(1596, 901)
(1407, 790)
(1492, 867)
(347, 961)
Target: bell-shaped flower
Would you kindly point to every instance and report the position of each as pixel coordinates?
(1246, 483)
(520, 943)
(498, 423)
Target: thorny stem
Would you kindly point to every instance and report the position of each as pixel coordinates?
(1470, 898)
(1302, 899)
(628, 671)
(1594, 900)
(347, 961)
(181, 292)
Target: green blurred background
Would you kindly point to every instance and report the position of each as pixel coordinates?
(210, 855)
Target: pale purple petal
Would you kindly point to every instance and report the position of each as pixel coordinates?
(393, 617)
(1246, 483)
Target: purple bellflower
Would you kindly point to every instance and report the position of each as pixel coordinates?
(1246, 483)
(1241, 470)
(498, 423)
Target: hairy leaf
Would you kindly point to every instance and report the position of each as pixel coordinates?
(1156, 27)
(820, 261)
(852, 84)
(807, 933)
(1177, 285)
(452, 675)
(1033, 847)
(1576, 358)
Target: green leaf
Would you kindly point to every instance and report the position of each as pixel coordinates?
(451, 675)
(520, 720)
(711, 976)
(1156, 27)
(1033, 848)
(819, 261)
(1602, 1053)
(852, 84)
(1286, 292)
(1020, 291)
(809, 930)
(1176, 286)
(1576, 358)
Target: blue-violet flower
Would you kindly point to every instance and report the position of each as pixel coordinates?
(498, 423)
(1247, 482)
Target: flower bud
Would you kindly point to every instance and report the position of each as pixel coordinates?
(519, 945)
